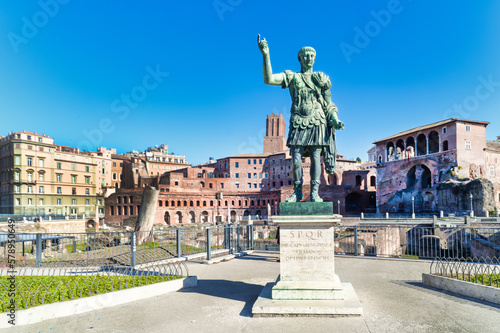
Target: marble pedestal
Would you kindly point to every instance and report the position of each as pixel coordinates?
(307, 284)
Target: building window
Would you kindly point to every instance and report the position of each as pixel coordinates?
(30, 201)
(59, 190)
(87, 191)
(41, 176)
(41, 190)
(467, 128)
(249, 185)
(236, 175)
(58, 202)
(249, 175)
(260, 175)
(221, 185)
(17, 188)
(99, 202)
(73, 167)
(467, 144)
(18, 201)
(41, 162)
(236, 164)
(73, 191)
(59, 177)
(17, 160)
(30, 176)
(210, 185)
(73, 179)
(87, 180)
(445, 130)
(59, 165)
(30, 189)
(249, 161)
(73, 201)
(237, 185)
(114, 176)
(87, 168)
(492, 171)
(373, 181)
(30, 161)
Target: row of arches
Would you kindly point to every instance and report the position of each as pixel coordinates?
(410, 147)
(204, 217)
(212, 203)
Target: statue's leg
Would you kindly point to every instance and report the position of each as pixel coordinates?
(315, 173)
(296, 152)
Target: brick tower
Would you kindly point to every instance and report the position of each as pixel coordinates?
(274, 141)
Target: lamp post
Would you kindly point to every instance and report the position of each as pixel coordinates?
(412, 207)
(338, 206)
(471, 208)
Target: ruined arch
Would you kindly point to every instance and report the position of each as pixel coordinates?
(410, 146)
(353, 202)
(433, 142)
(421, 145)
(178, 217)
(192, 217)
(389, 150)
(166, 218)
(445, 145)
(204, 217)
(333, 179)
(400, 148)
(419, 177)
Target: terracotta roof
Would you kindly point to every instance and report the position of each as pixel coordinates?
(429, 126)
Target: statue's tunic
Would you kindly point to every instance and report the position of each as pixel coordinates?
(308, 124)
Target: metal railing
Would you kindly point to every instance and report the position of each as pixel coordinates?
(136, 248)
(101, 249)
(484, 271)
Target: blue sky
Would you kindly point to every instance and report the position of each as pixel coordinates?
(134, 74)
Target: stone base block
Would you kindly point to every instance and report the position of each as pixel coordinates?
(265, 306)
(312, 290)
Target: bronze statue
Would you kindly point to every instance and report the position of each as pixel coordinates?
(313, 119)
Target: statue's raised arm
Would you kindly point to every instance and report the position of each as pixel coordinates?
(267, 71)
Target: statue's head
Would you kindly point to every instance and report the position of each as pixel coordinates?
(310, 52)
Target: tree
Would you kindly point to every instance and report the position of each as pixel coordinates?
(358, 160)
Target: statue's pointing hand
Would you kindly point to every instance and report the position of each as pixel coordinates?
(264, 49)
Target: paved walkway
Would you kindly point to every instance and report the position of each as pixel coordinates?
(390, 291)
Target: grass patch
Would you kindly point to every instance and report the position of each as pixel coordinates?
(492, 280)
(37, 290)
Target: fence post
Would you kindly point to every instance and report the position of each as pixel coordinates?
(238, 238)
(74, 245)
(248, 237)
(178, 242)
(251, 237)
(132, 249)
(356, 251)
(38, 250)
(209, 249)
(229, 235)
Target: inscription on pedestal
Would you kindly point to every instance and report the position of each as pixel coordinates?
(307, 253)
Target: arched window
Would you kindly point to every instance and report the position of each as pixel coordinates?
(445, 145)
